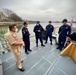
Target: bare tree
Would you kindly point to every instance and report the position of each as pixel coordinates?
(7, 12)
(11, 15)
(15, 18)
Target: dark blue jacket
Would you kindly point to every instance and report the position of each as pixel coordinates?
(25, 34)
(50, 29)
(64, 30)
(36, 28)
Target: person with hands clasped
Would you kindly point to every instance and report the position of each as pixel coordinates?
(38, 33)
(15, 42)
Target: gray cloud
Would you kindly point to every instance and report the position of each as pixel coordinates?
(42, 9)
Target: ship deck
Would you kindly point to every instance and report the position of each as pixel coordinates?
(41, 61)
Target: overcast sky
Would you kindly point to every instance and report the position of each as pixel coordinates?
(42, 10)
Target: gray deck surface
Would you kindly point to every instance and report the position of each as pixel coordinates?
(41, 61)
(1, 71)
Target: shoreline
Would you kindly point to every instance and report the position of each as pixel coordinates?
(21, 23)
(7, 23)
(18, 23)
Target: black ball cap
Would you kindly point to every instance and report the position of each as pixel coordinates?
(38, 22)
(64, 20)
(25, 23)
(50, 21)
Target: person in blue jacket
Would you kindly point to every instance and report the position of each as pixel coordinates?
(38, 33)
(64, 30)
(49, 29)
(26, 38)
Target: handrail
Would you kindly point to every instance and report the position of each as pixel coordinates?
(54, 32)
(56, 27)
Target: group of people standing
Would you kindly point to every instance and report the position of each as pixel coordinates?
(38, 34)
(15, 42)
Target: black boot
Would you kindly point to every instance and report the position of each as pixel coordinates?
(27, 52)
(36, 44)
(58, 47)
(21, 69)
(45, 42)
(51, 43)
(43, 45)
